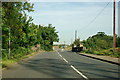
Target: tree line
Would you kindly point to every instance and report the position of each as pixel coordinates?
(23, 32)
(100, 41)
(99, 44)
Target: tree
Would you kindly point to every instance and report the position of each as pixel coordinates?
(15, 19)
(99, 41)
(48, 37)
(23, 33)
(77, 42)
(117, 41)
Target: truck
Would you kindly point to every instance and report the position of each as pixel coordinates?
(77, 48)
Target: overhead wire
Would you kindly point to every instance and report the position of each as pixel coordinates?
(83, 28)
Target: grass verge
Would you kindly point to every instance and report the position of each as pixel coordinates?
(7, 62)
(107, 52)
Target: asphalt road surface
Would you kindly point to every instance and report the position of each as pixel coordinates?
(64, 64)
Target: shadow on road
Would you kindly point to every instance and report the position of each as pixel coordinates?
(51, 67)
(97, 70)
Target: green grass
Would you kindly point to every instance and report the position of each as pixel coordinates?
(7, 62)
(106, 52)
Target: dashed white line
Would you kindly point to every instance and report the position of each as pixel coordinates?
(60, 56)
(73, 67)
(78, 72)
(65, 60)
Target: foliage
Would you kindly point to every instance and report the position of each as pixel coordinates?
(6, 62)
(106, 52)
(49, 36)
(77, 42)
(61, 45)
(100, 41)
(101, 44)
(23, 33)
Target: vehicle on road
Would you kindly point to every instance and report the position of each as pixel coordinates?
(77, 48)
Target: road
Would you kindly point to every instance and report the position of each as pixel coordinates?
(59, 64)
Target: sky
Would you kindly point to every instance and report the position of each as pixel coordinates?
(70, 16)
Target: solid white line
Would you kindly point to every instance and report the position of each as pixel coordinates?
(79, 72)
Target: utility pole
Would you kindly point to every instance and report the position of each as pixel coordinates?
(9, 43)
(75, 35)
(114, 26)
(119, 19)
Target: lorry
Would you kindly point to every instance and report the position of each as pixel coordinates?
(77, 48)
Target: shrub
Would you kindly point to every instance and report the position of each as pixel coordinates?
(4, 53)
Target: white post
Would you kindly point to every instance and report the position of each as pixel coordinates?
(9, 43)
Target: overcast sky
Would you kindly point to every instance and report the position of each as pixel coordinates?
(70, 16)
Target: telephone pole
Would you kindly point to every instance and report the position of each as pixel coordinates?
(114, 27)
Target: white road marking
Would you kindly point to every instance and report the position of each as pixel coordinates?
(65, 60)
(60, 56)
(78, 72)
(57, 51)
(73, 67)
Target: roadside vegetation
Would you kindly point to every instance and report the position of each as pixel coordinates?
(101, 44)
(6, 62)
(106, 52)
(23, 34)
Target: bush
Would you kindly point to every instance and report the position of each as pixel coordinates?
(4, 53)
(17, 53)
(107, 52)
